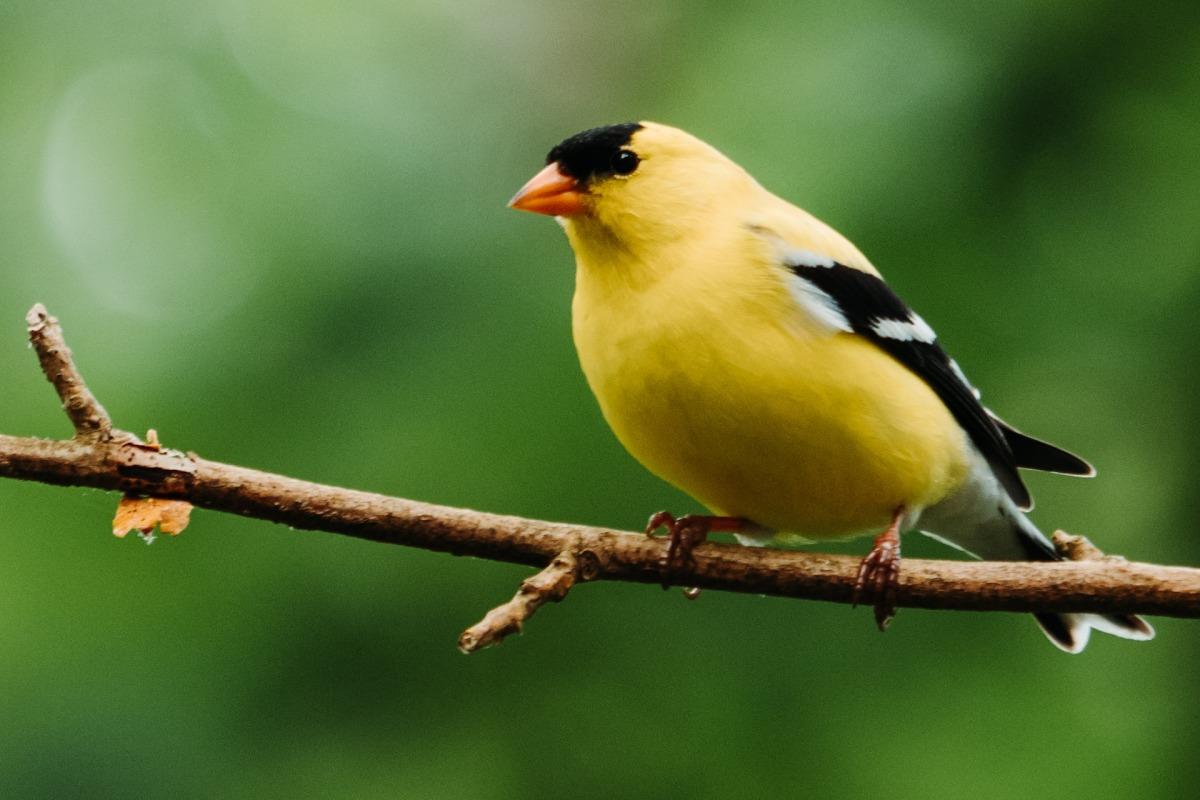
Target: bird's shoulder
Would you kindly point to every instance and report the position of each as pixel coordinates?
(782, 229)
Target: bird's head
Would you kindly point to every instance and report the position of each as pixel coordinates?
(633, 183)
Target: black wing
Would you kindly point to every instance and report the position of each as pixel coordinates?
(1032, 453)
(872, 310)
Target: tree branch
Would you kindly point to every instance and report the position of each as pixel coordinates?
(103, 457)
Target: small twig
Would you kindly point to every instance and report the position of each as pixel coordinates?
(103, 457)
(549, 585)
(1079, 548)
(84, 410)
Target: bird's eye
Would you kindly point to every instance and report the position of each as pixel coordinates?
(624, 162)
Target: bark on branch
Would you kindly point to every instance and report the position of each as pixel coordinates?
(103, 457)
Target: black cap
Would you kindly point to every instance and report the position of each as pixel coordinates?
(593, 151)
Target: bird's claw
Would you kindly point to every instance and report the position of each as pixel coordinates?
(683, 534)
(879, 577)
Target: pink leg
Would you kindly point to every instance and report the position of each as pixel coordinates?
(879, 572)
(683, 534)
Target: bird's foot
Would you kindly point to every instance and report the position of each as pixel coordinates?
(879, 573)
(683, 535)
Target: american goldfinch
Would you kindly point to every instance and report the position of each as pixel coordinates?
(747, 353)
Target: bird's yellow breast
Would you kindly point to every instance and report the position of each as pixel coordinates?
(711, 379)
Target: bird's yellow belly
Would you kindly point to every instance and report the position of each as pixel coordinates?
(821, 436)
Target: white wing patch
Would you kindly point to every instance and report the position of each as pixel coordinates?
(796, 257)
(913, 329)
(818, 303)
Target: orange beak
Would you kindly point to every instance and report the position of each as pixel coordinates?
(550, 192)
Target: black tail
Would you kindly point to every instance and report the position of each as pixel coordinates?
(1070, 632)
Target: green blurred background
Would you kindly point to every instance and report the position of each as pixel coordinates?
(277, 233)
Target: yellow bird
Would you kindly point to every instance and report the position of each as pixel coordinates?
(749, 354)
